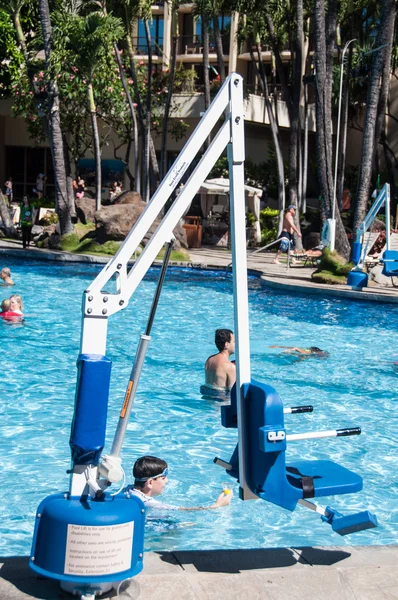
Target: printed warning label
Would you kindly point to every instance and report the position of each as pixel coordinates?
(101, 550)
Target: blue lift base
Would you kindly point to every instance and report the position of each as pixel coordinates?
(88, 541)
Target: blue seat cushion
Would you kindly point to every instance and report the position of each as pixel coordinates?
(390, 258)
(328, 477)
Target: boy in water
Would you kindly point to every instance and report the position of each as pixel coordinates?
(150, 478)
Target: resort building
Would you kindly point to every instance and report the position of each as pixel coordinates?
(21, 159)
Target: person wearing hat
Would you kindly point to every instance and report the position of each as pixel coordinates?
(288, 228)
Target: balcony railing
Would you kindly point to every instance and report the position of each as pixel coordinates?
(192, 44)
(141, 47)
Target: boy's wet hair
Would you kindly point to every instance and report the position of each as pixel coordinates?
(147, 467)
(5, 305)
(315, 349)
(6, 271)
(222, 336)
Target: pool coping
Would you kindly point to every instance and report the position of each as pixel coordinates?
(292, 281)
(313, 573)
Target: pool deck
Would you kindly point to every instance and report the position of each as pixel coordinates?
(328, 573)
(333, 573)
(296, 279)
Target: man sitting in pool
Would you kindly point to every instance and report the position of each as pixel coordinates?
(150, 478)
(5, 275)
(220, 372)
(312, 351)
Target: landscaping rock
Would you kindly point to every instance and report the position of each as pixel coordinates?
(115, 222)
(376, 275)
(85, 210)
(54, 242)
(129, 198)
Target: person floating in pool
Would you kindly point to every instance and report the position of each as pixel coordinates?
(303, 352)
(5, 275)
(150, 478)
(220, 372)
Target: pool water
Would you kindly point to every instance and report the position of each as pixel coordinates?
(356, 385)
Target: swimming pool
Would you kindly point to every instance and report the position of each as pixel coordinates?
(355, 386)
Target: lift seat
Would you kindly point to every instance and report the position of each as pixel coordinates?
(328, 478)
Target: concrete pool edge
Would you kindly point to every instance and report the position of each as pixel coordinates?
(296, 281)
(347, 572)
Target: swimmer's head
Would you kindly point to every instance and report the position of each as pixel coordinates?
(315, 350)
(5, 272)
(16, 302)
(148, 467)
(5, 305)
(223, 337)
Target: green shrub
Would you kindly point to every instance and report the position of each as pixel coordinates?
(269, 225)
(70, 242)
(332, 268)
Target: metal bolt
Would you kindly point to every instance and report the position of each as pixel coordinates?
(104, 311)
(66, 496)
(38, 515)
(32, 559)
(140, 555)
(105, 299)
(142, 510)
(89, 311)
(121, 302)
(237, 120)
(236, 81)
(119, 266)
(90, 298)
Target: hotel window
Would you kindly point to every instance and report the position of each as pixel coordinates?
(156, 27)
(23, 164)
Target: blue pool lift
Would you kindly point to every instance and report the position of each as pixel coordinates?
(92, 539)
(358, 278)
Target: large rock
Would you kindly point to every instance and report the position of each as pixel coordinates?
(85, 209)
(115, 222)
(129, 198)
(376, 275)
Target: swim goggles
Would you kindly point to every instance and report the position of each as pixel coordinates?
(162, 474)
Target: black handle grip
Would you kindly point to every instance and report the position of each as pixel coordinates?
(348, 431)
(302, 409)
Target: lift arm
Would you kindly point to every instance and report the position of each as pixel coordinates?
(99, 304)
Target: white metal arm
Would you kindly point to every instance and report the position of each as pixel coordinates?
(382, 199)
(99, 304)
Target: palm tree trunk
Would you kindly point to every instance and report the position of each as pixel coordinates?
(8, 225)
(129, 100)
(344, 129)
(219, 48)
(206, 65)
(165, 124)
(325, 33)
(146, 178)
(56, 141)
(305, 154)
(387, 13)
(275, 134)
(96, 146)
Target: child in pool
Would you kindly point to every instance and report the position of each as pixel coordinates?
(7, 312)
(150, 478)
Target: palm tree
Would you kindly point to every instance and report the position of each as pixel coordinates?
(325, 35)
(174, 4)
(64, 210)
(92, 39)
(375, 106)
